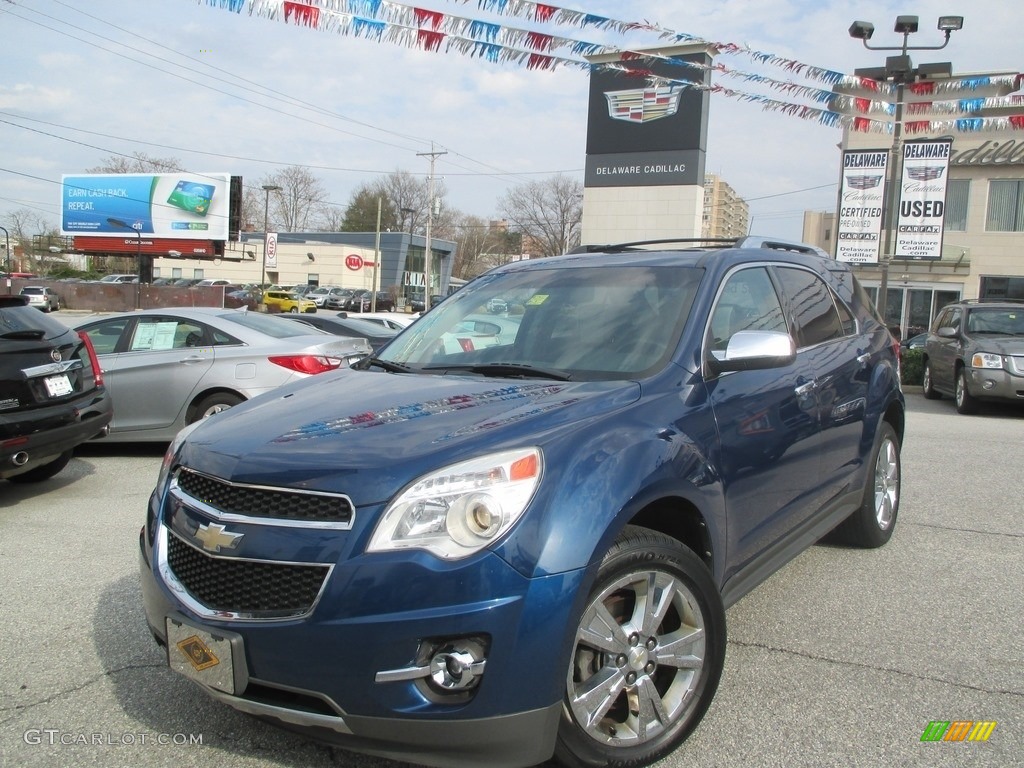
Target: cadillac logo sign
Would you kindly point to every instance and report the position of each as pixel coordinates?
(925, 172)
(863, 182)
(642, 105)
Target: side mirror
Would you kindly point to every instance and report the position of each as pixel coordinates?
(947, 332)
(754, 350)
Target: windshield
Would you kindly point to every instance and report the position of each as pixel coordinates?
(1008, 322)
(572, 323)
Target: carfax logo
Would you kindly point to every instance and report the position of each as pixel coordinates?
(958, 730)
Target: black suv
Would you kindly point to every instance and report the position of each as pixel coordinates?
(975, 352)
(52, 396)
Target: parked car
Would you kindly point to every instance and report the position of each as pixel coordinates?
(336, 298)
(540, 537)
(52, 397)
(212, 282)
(394, 321)
(416, 302)
(119, 279)
(975, 353)
(341, 324)
(166, 368)
(42, 297)
(362, 301)
(497, 305)
(286, 301)
(914, 342)
(242, 298)
(187, 282)
(319, 295)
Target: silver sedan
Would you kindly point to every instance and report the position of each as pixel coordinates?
(166, 368)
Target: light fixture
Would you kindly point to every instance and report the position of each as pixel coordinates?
(311, 257)
(862, 30)
(951, 23)
(905, 25)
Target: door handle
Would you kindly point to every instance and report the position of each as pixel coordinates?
(805, 389)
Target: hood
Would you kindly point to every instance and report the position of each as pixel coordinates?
(368, 434)
(1009, 344)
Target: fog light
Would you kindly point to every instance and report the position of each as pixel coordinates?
(988, 384)
(447, 666)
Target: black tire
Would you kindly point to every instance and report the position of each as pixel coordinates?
(44, 471)
(215, 403)
(965, 401)
(872, 524)
(294, 310)
(927, 387)
(670, 670)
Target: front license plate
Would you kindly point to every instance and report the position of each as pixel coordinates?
(57, 386)
(200, 656)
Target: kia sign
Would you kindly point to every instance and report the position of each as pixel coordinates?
(354, 262)
(271, 250)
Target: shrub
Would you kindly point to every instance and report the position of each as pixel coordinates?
(912, 366)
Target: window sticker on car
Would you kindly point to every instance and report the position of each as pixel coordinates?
(537, 300)
(154, 336)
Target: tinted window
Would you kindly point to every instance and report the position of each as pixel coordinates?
(277, 327)
(813, 306)
(748, 302)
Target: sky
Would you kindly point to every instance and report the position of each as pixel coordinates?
(247, 95)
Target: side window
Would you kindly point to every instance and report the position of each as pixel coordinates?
(104, 336)
(748, 302)
(814, 309)
(954, 319)
(159, 333)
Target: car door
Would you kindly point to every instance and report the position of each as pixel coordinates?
(768, 423)
(943, 351)
(841, 359)
(155, 367)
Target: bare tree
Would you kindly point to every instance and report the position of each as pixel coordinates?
(22, 225)
(547, 213)
(482, 244)
(139, 162)
(300, 201)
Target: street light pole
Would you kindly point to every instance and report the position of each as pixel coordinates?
(899, 70)
(427, 278)
(267, 188)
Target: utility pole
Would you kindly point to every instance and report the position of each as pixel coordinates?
(430, 221)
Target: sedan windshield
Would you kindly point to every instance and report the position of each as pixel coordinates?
(575, 324)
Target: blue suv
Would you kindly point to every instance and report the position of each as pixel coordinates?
(492, 543)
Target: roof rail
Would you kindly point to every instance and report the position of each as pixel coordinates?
(990, 300)
(778, 245)
(635, 245)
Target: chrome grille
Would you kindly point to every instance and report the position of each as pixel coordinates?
(247, 588)
(263, 502)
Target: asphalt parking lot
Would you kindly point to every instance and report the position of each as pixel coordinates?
(841, 659)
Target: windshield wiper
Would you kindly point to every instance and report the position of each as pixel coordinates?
(509, 370)
(387, 365)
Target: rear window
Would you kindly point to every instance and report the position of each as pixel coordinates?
(268, 324)
(18, 318)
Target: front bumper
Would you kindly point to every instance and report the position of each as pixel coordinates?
(321, 673)
(995, 384)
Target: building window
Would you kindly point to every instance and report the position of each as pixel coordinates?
(1005, 206)
(1002, 287)
(957, 192)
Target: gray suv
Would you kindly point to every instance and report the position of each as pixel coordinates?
(975, 352)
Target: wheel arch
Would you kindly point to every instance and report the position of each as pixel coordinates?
(198, 397)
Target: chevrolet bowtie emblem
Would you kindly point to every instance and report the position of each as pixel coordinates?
(215, 536)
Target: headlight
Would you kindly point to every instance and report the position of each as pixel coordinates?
(172, 452)
(986, 360)
(458, 510)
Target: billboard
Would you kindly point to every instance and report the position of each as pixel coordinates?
(861, 205)
(922, 199)
(193, 206)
